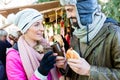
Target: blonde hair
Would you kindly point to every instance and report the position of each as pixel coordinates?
(59, 39)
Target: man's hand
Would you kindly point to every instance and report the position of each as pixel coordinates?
(61, 62)
(80, 66)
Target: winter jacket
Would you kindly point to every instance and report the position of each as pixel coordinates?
(102, 53)
(15, 70)
(3, 47)
(2, 71)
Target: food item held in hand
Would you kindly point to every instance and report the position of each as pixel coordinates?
(72, 54)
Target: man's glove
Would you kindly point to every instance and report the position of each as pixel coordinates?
(47, 63)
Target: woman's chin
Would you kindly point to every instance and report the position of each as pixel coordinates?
(40, 38)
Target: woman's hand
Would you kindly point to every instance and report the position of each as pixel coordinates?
(47, 63)
(80, 66)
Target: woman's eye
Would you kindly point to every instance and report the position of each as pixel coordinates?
(37, 24)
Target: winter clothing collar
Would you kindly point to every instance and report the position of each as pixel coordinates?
(94, 28)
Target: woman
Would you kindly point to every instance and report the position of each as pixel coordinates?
(25, 62)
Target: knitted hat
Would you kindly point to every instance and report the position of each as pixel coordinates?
(85, 10)
(25, 18)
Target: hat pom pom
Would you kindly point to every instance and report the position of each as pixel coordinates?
(62, 2)
(10, 18)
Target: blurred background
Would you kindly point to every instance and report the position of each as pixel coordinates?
(55, 20)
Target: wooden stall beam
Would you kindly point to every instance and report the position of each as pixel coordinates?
(40, 7)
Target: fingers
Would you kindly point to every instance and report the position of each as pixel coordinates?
(50, 67)
(74, 65)
(55, 54)
(48, 54)
(59, 58)
(74, 68)
(51, 61)
(75, 61)
(51, 58)
(60, 62)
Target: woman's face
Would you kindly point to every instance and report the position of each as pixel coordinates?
(35, 32)
(3, 38)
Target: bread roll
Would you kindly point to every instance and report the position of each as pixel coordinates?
(72, 54)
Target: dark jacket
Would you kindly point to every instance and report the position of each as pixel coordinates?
(103, 54)
(2, 71)
(3, 46)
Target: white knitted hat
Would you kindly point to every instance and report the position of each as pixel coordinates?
(25, 18)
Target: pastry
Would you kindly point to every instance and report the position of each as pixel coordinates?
(72, 54)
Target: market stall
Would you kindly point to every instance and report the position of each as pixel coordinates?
(54, 16)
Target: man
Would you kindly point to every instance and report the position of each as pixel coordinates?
(96, 39)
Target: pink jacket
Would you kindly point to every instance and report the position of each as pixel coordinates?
(15, 70)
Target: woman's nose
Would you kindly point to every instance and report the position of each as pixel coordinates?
(42, 28)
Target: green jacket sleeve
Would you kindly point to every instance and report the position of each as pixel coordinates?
(104, 73)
